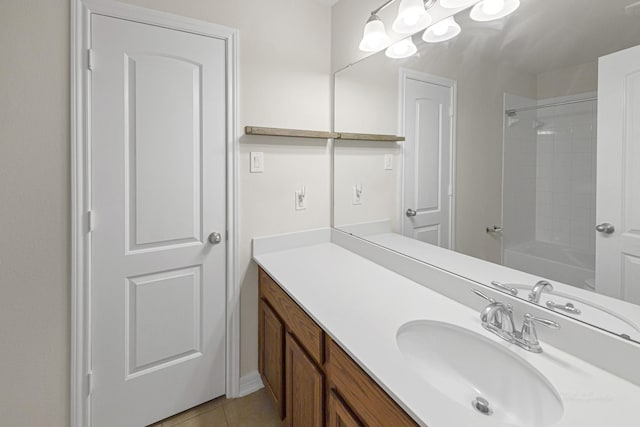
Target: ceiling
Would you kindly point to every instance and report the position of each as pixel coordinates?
(545, 35)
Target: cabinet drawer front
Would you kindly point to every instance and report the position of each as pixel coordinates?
(299, 323)
(366, 398)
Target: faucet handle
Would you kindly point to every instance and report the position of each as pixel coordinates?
(546, 322)
(528, 335)
(480, 294)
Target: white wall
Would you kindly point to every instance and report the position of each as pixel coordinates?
(568, 81)
(284, 82)
(34, 212)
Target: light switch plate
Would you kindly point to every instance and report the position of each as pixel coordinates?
(388, 162)
(257, 162)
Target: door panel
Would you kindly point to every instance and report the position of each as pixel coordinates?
(157, 190)
(163, 103)
(618, 177)
(271, 356)
(427, 154)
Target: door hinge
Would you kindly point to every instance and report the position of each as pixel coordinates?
(89, 383)
(451, 111)
(226, 235)
(450, 190)
(91, 59)
(90, 221)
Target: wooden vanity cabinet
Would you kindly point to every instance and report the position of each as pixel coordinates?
(311, 380)
(290, 358)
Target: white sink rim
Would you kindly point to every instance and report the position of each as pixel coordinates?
(461, 389)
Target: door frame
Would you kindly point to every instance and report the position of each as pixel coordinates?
(404, 75)
(80, 152)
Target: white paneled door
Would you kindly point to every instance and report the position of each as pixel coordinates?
(158, 120)
(427, 162)
(618, 171)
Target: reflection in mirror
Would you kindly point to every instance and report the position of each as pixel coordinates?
(522, 135)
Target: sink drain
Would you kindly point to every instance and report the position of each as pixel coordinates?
(482, 405)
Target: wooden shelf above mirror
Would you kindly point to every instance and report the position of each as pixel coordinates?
(369, 137)
(294, 133)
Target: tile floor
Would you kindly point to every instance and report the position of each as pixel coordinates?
(254, 410)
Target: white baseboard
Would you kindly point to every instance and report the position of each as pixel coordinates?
(249, 383)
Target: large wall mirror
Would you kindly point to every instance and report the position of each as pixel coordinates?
(522, 148)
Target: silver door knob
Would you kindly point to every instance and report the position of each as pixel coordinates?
(411, 212)
(215, 238)
(605, 228)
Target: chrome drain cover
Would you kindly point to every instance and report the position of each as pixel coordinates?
(482, 405)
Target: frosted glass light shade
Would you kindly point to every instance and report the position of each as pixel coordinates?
(442, 31)
(375, 36)
(490, 10)
(455, 4)
(412, 16)
(402, 49)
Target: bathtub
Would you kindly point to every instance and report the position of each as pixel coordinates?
(554, 262)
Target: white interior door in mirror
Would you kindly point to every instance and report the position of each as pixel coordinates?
(618, 193)
(158, 190)
(428, 116)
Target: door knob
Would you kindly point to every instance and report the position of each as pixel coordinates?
(605, 228)
(215, 238)
(411, 212)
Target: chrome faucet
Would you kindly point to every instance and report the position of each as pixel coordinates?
(537, 290)
(497, 318)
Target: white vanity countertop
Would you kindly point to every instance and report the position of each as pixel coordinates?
(361, 305)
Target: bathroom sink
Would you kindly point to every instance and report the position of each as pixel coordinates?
(465, 366)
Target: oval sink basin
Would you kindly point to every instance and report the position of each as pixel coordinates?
(465, 366)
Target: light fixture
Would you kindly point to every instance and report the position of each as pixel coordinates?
(402, 49)
(442, 31)
(412, 16)
(455, 4)
(375, 36)
(489, 10)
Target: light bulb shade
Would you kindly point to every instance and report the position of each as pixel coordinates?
(402, 49)
(442, 31)
(456, 4)
(375, 36)
(412, 16)
(490, 10)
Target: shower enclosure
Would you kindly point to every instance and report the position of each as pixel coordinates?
(549, 187)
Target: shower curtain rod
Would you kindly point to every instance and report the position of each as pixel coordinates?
(513, 111)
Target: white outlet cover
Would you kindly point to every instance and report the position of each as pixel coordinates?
(388, 162)
(257, 162)
(357, 198)
(301, 200)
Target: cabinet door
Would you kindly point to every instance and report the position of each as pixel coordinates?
(271, 354)
(339, 414)
(304, 388)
